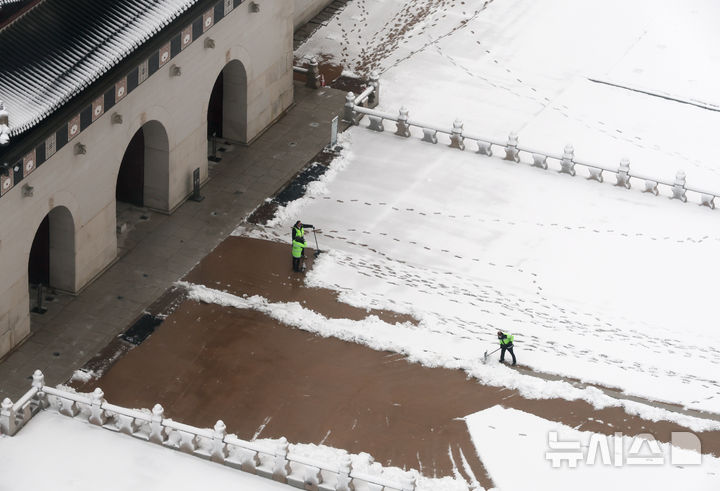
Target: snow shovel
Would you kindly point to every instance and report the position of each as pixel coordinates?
(488, 354)
(317, 248)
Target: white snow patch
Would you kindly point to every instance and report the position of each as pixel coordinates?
(513, 445)
(83, 376)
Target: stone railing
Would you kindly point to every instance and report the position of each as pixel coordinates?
(312, 73)
(367, 100)
(272, 460)
(564, 162)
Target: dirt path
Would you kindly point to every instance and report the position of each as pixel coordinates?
(207, 362)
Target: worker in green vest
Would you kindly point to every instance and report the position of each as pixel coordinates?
(298, 251)
(506, 344)
(298, 230)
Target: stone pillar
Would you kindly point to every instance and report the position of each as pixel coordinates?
(456, 135)
(97, 413)
(402, 127)
(623, 174)
(281, 466)
(511, 150)
(313, 74)
(374, 98)
(349, 114)
(678, 189)
(8, 424)
(157, 431)
(39, 382)
(567, 164)
(219, 447)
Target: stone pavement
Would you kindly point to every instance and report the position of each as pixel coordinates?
(158, 249)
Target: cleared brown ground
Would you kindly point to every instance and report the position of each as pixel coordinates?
(208, 362)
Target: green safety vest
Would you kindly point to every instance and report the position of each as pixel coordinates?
(508, 339)
(297, 248)
(299, 232)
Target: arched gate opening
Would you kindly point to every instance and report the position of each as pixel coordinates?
(51, 262)
(227, 108)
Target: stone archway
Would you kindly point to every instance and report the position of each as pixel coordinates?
(227, 108)
(144, 175)
(51, 260)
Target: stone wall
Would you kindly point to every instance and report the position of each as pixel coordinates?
(78, 181)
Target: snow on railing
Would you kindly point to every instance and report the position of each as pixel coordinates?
(272, 460)
(564, 162)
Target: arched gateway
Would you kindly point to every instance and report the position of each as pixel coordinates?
(115, 108)
(51, 261)
(144, 175)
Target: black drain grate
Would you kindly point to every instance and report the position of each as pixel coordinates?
(143, 327)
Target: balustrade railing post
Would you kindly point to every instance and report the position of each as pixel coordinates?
(8, 424)
(157, 430)
(623, 174)
(344, 481)
(97, 413)
(678, 189)
(511, 149)
(219, 448)
(456, 135)
(39, 382)
(374, 98)
(567, 164)
(402, 123)
(281, 465)
(313, 74)
(349, 113)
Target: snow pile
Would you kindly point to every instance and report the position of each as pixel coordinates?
(514, 445)
(434, 349)
(83, 376)
(366, 464)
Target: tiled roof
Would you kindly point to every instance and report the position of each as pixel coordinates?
(60, 47)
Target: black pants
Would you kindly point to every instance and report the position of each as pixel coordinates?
(502, 353)
(296, 264)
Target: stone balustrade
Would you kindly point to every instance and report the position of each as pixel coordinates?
(565, 162)
(270, 459)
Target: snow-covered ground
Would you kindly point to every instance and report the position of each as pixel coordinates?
(514, 447)
(606, 284)
(612, 286)
(543, 69)
(60, 453)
